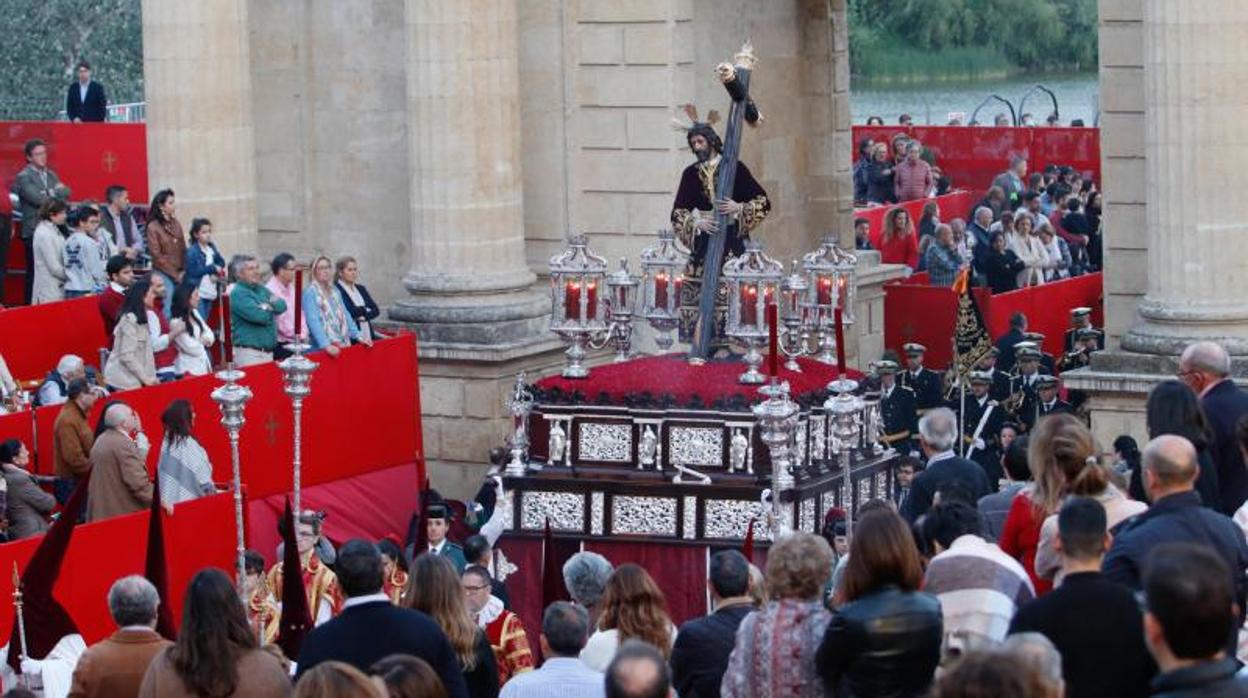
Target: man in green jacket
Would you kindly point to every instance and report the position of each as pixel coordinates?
(34, 186)
(253, 313)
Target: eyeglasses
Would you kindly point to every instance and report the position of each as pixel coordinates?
(482, 587)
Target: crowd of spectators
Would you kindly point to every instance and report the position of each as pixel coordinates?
(1026, 231)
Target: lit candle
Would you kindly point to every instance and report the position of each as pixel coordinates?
(840, 292)
(226, 334)
(749, 305)
(660, 290)
(840, 343)
(572, 300)
(593, 300)
(298, 303)
(773, 358)
(825, 291)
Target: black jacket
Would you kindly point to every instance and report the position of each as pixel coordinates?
(965, 473)
(700, 655)
(365, 313)
(1206, 481)
(879, 184)
(367, 632)
(95, 108)
(1002, 269)
(1005, 348)
(1223, 406)
(1209, 680)
(927, 387)
(482, 680)
(1177, 518)
(885, 644)
(1097, 627)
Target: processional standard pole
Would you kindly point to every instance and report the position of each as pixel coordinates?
(297, 380)
(232, 399)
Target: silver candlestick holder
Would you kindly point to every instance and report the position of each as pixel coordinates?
(777, 417)
(297, 381)
(846, 410)
(520, 405)
(232, 399)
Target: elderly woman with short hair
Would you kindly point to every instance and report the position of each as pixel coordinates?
(776, 645)
(586, 574)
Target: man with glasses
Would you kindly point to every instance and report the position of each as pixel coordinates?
(252, 311)
(34, 186)
(1205, 367)
(502, 627)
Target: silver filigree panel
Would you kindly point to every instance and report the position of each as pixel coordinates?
(566, 511)
(643, 515)
(690, 516)
(864, 491)
(606, 442)
(696, 446)
(806, 516)
(801, 442)
(730, 519)
(881, 485)
(817, 440)
(595, 513)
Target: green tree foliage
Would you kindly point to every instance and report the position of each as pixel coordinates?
(1025, 34)
(45, 39)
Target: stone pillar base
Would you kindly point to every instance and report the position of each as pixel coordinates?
(476, 321)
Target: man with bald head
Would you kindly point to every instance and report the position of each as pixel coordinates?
(119, 481)
(1170, 469)
(1205, 367)
(638, 671)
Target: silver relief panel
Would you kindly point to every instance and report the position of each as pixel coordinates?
(566, 511)
(802, 428)
(696, 446)
(643, 515)
(690, 516)
(611, 443)
(595, 513)
(881, 485)
(817, 441)
(730, 519)
(806, 516)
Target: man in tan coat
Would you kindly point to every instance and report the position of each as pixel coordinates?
(115, 666)
(73, 437)
(119, 479)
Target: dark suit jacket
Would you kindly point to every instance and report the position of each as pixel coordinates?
(1096, 626)
(1223, 406)
(966, 473)
(365, 633)
(700, 655)
(1005, 345)
(28, 506)
(95, 108)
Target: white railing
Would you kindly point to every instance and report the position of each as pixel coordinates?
(132, 112)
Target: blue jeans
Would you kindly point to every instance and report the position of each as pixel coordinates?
(76, 294)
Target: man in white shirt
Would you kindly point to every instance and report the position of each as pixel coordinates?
(565, 629)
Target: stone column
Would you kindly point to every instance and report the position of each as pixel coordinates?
(197, 80)
(468, 277)
(1196, 142)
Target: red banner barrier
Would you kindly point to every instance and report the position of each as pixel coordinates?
(199, 534)
(917, 312)
(19, 425)
(33, 338)
(952, 205)
(971, 156)
(363, 415)
(87, 157)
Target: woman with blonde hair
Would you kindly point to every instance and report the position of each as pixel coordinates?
(898, 243)
(632, 607)
(433, 588)
(775, 646)
(1079, 473)
(1026, 245)
(330, 326)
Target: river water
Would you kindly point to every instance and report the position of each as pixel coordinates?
(933, 102)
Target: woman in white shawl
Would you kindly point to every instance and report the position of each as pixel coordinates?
(184, 471)
(1028, 247)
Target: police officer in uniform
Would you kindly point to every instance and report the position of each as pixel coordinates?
(1046, 359)
(999, 389)
(897, 408)
(1081, 319)
(985, 447)
(1023, 383)
(1046, 403)
(925, 383)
